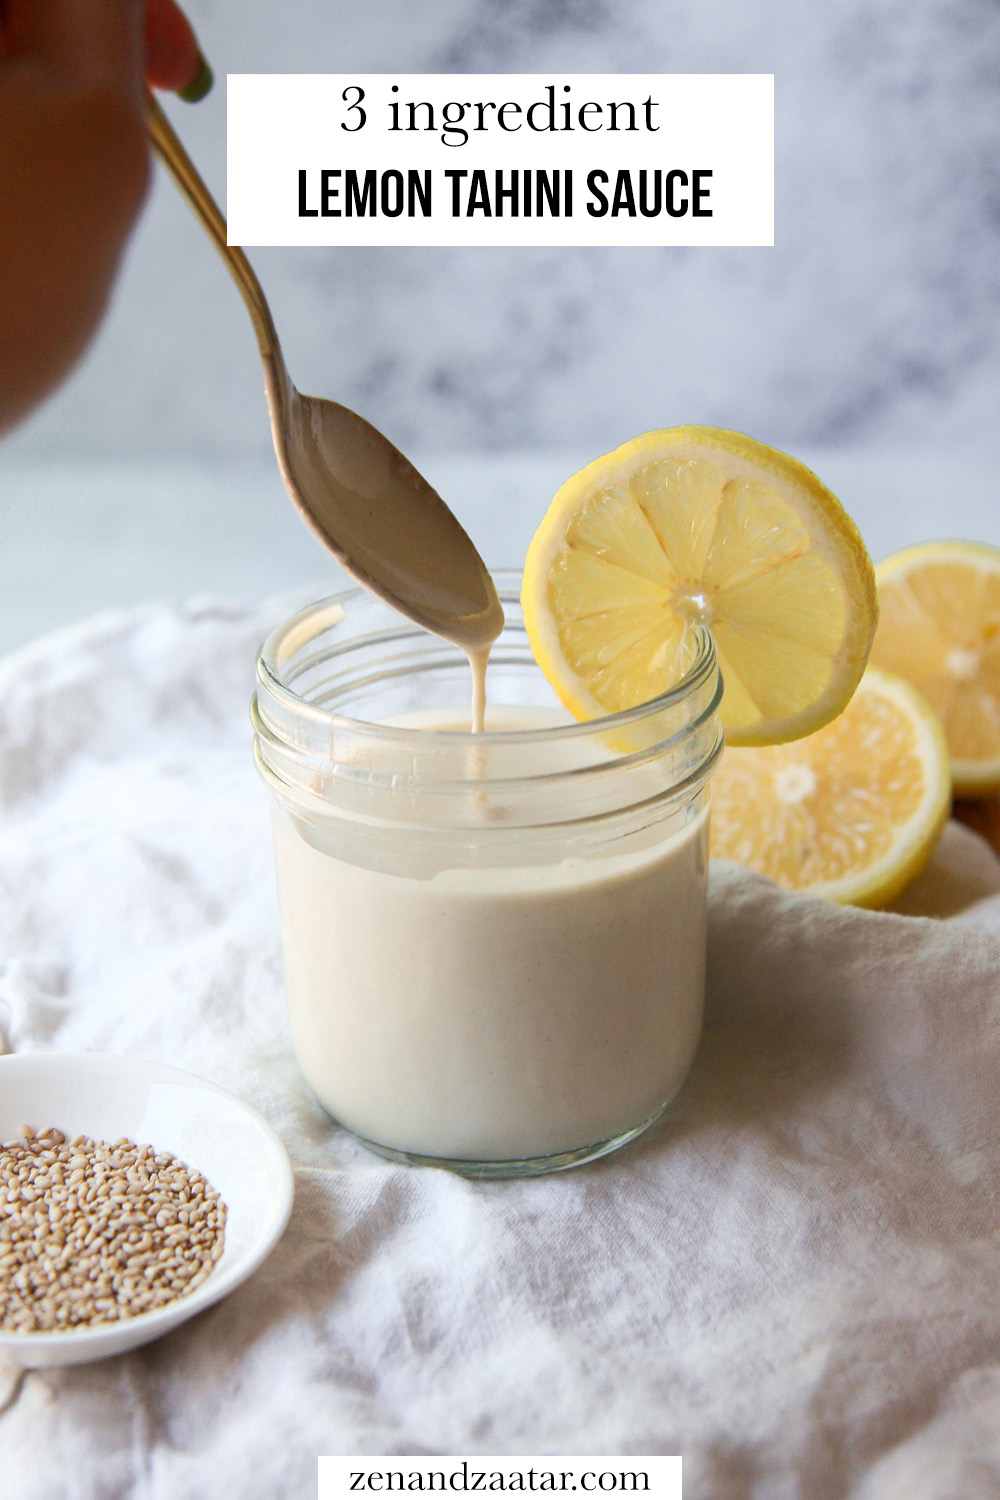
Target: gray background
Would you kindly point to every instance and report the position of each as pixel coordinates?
(867, 340)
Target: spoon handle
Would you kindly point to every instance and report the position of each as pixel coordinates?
(184, 172)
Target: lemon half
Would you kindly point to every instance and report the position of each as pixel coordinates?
(852, 812)
(696, 525)
(940, 628)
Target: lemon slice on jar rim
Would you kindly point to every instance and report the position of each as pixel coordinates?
(697, 525)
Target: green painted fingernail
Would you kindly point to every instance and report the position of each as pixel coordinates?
(200, 83)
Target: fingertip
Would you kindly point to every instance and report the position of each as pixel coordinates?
(174, 61)
(200, 84)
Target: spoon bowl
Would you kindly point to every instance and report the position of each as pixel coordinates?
(379, 516)
(365, 501)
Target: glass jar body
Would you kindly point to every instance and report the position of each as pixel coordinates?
(494, 945)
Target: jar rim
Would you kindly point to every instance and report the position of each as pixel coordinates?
(287, 639)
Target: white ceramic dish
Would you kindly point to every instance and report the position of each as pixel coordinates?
(100, 1095)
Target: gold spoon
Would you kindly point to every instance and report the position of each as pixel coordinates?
(363, 499)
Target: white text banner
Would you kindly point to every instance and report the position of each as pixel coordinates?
(500, 159)
(659, 1478)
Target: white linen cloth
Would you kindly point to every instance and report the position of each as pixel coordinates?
(794, 1282)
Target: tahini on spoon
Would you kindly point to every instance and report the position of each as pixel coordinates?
(365, 501)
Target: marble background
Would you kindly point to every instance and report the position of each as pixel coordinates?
(867, 341)
(874, 318)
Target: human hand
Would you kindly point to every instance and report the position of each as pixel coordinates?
(74, 168)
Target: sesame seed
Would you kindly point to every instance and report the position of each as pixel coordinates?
(92, 1232)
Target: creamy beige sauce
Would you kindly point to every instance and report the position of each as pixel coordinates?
(496, 1013)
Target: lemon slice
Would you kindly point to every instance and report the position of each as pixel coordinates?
(694, 525)
(940, 628)
(852, 812)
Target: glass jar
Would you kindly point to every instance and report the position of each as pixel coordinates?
(494, 944)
